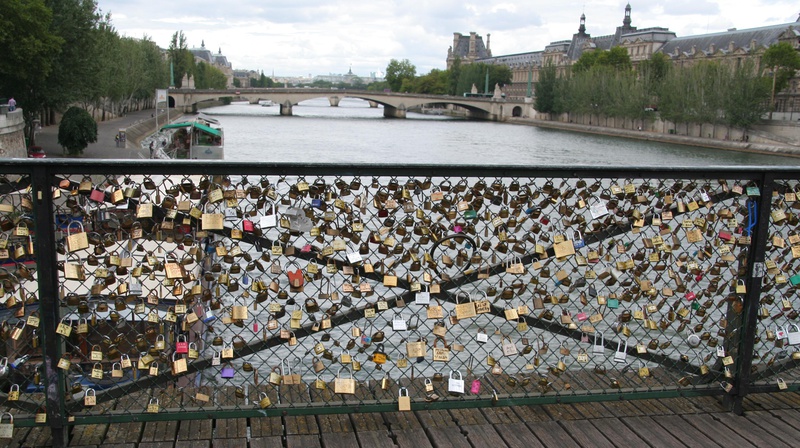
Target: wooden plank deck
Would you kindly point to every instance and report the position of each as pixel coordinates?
(770, 420)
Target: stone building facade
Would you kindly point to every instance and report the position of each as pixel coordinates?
(732, 46)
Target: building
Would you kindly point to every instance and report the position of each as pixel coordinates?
(732, 46)
(218, 60)
(469, 49)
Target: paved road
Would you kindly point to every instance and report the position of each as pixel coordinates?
(105, 147)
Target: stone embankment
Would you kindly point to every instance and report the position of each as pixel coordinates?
(776, 149)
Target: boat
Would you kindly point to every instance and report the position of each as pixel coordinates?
(266, 103)
(200, 138)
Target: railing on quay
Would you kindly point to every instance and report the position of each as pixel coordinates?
(183, 290)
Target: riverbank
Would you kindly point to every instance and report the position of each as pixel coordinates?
(138, 125)
(759, 148)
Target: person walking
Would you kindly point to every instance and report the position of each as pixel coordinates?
(12, 104)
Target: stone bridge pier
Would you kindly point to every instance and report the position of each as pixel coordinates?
(334, 101)
(286, 108)
(394, 112)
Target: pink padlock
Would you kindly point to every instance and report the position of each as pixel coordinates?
(475, 388)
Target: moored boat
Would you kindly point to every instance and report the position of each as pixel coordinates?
(200, 138)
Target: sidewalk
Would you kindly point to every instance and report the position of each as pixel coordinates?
(105, 147)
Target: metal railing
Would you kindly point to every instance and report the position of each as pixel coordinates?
(181, 290)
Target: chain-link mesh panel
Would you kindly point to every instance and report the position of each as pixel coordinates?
(21, 355)
(777, 334)
(213, 293)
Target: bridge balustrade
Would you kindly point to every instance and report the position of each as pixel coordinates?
(181, 290)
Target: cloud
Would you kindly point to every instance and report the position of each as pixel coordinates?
(298, 37)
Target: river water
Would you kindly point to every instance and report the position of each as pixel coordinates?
(356, 133)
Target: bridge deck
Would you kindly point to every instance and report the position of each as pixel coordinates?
(771, 420)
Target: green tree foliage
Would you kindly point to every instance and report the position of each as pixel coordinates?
(476, 74)
(48, 50)
(262, 81)
(714, 93)
(545, 89)
(616, 58)
(434, 83)
(587, 60)
(655, 69)
(783, 58)
(454, 73)
(77, 71)
(399, 71)
(76, 131)
(744, 104)
(131, 71)
(181, 58)
(28, 43)
(207, 76)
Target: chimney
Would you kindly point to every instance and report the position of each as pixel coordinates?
(472, 35)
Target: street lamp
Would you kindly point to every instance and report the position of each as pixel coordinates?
(772, 97)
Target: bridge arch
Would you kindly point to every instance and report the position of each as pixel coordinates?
(394, 104)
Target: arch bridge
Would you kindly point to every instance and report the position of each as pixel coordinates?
(394, 104)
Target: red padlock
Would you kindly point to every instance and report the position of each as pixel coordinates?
(248, 225)
(181, 346)
(97, 195)
(296, 278)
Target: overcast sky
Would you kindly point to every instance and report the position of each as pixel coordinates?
(316, 37)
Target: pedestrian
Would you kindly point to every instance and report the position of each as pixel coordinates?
(151, 149)
(116, 140)
(12, 104)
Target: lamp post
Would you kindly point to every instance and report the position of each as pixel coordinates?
(772, 97)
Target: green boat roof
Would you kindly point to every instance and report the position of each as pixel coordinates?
(187, 124)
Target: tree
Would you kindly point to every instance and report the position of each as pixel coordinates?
(76, 131)
(617, 58)
(76, 69)
(398, 71)
(545, 89)
(28, 42)
(181, 58)
(454, 73)
(655, 68)
(476, 74)
(586, 61)
(207, 76)
(744, 102)
(262, 81)
(434, 83)
(784, 60)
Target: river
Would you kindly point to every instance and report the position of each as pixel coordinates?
(355, 133)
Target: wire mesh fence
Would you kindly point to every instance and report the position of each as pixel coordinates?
(235, 289)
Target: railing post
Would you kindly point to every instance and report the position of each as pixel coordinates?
(47, 272)
(755, 272)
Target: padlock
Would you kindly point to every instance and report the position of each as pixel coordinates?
(379, 355)
(455, 383)
(89, 398)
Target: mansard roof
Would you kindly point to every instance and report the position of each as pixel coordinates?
(461, 48)
(516, 60)
(741, 39)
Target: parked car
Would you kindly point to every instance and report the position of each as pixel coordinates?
(36, 152)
